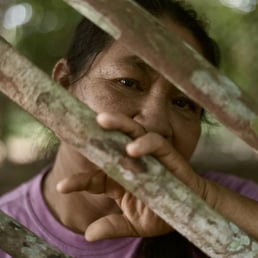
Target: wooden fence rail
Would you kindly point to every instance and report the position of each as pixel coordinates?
(144, 35)
(74, 123)
(19, 242)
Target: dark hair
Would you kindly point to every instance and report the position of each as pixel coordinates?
(171, 245)
(89, 40)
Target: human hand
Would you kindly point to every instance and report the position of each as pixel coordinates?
(136, 219)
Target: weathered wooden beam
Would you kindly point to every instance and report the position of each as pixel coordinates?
(74, 123)
(179, 63)
(19, 242)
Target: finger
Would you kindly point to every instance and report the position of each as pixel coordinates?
(82, 182)
(120, 122)
(161, 149)
(98, 184)
(108, 227)
(118, 225)
(156, 145)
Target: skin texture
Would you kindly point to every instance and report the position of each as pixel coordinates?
(140, 102)
(129, 96)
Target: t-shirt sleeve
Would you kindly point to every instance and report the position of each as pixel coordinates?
(245, 187)
(4, 255)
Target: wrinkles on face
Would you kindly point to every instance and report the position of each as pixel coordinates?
(119, 81)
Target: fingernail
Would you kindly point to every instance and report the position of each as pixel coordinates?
(131, 148)
(59, 187)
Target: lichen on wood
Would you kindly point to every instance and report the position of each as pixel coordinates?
(148, 180)
(19, 242)
(164, 51)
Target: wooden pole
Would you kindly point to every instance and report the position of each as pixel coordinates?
(19, 242)
(149, 181)
(178, 62)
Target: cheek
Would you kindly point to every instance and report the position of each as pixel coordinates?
(186, 138)
(100, 98)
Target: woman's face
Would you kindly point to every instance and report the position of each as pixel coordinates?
(119, 81)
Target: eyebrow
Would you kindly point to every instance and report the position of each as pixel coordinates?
(135, 61)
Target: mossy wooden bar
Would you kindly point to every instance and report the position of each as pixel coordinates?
(145, 36)
(74, 123)
(19, 242)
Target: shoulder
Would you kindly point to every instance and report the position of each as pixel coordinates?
(245, 187)
(14, 197)
(4, 255)
(14, 203)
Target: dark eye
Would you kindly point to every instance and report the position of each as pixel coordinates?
(130, 83)
(184, 103)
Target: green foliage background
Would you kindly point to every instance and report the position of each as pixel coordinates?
(45, 38)
(237, 35)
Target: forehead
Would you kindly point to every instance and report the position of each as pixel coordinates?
(117, 52)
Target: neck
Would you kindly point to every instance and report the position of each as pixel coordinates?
(76, 210)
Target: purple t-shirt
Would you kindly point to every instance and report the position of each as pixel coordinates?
(26, 205)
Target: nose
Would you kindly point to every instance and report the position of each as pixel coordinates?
(154, 117)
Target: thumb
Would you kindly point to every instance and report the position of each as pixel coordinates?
(111, 226)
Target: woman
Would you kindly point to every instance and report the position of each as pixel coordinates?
(74, 197)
